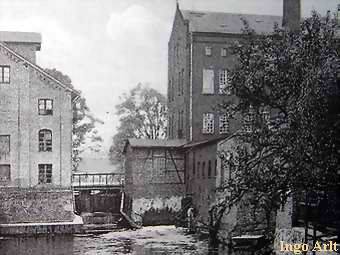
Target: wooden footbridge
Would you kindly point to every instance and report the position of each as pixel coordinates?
(97, 181)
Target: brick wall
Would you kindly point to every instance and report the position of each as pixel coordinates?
(20, 119)
(178, 61)
(153, 190)
(208, 103)
(28, 205)
(201, 182)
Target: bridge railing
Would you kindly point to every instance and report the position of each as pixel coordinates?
(97, 179)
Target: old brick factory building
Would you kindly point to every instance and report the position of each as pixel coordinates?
(35, 140)
(198, 80)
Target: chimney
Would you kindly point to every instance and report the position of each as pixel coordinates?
(291, 15)
(24, 43)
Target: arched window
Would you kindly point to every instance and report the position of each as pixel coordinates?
(45, 140)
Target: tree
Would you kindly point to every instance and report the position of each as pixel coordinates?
(84, 134)
(294, 76)
(142, 114)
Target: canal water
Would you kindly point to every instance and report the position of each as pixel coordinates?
(147, 241)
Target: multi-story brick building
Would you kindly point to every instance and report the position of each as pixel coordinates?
(35, 133)
(198, 81)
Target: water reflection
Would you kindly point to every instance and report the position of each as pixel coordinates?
(60, 245)
(148, 241)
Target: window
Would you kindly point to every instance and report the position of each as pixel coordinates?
(193, 166)
(45, 106)
(215, 170)
(223, 124)
(182, 81)
(203, 170)
(198, 169)
(223, 52)
(265, 114)
(180, 123)
(208, 123)
(5, 173)
(208, 81)
(45, 140)
(170, 91)
(209, 169)
(4, 145)
(208, 51)
(4, 74)
(45, 173)
(248, 120)
(224, 82)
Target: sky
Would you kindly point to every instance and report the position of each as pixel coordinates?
(109, 46)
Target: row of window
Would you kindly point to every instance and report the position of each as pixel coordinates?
(180, 88)
(248, 122)
(209, 123)
(208, 51)
(224, 84)
(44, 173)
(199, 171)
(208, 84)
(44, 137)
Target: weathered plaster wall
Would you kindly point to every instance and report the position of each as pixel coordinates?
(157, 210)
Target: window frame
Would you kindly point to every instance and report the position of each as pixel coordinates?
(224, 87)
(224, 52)
(208, 90)
(208, 121)
(9, 173)
(248, 120)
(2, 74)
(43, 170)
(223, 128)
(208, 51)
(9, 144)
(45, 145)
(45, 111)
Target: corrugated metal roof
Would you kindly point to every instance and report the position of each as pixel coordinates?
(156, 143)
(24, 37)
(219, 22)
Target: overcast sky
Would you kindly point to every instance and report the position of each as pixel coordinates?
(108, 46)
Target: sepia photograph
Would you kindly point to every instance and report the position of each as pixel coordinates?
(160, 127)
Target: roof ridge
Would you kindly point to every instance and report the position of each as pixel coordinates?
(39, 69)
(234, 13)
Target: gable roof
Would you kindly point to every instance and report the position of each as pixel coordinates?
(38, 69)
(231, 23)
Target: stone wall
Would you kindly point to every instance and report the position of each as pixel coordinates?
(35, 206)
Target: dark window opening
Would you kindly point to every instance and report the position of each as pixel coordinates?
(45, 140)
(45, 173)
(4, 74)
(45, 106)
